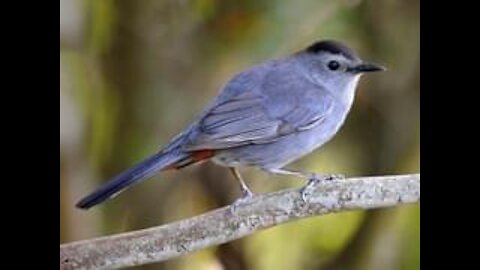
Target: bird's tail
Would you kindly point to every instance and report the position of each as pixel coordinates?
(146, 168)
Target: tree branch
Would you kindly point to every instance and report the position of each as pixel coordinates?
(221, 225)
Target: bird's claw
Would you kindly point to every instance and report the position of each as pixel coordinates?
(247, 195)
(315, 180)
(337, 176)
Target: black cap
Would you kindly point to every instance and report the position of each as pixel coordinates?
(332, 46)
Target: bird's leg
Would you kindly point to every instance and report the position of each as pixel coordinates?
(314, 179)
(304, 175)
(246, 192)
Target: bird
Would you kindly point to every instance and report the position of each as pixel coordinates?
(264, 117)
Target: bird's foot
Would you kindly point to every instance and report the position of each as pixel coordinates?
(316, 180)
(247, 195)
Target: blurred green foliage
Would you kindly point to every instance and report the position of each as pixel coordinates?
(134, 73)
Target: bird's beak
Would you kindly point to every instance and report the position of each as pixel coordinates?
(366, 67)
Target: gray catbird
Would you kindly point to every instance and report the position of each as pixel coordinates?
(265, 117)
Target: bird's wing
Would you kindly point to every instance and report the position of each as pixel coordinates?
(245, 119)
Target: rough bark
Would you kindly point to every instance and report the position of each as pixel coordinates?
(222, 225)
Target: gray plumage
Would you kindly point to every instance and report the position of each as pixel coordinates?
(273, 113)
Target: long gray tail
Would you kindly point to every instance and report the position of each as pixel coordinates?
(134, 175)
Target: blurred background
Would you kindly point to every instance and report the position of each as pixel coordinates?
(135, 73)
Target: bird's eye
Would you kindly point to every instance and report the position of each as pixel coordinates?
(333, 65)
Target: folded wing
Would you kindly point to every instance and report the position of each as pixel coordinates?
(244, 119)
